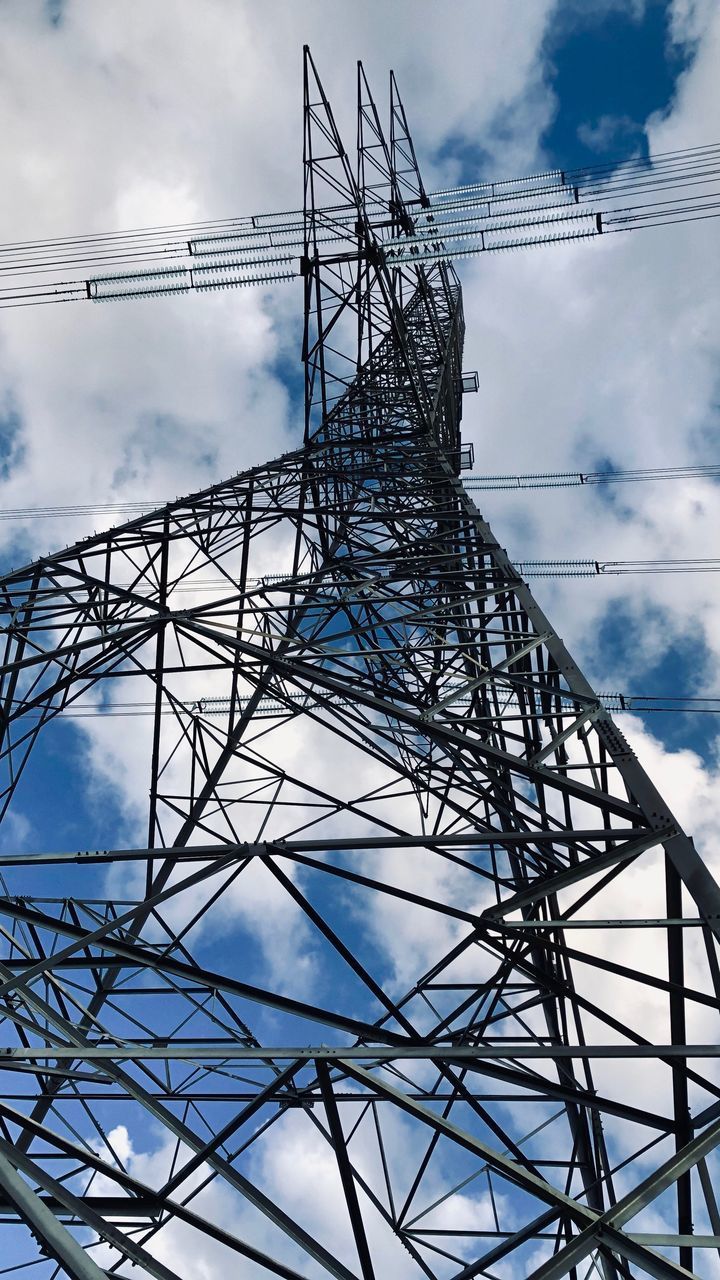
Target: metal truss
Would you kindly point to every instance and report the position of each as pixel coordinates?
(365, 730)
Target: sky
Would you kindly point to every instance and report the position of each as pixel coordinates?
(123, 113)
(589, 355)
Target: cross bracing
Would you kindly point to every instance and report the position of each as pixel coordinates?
(483, 1016)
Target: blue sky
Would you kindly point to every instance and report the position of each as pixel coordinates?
(610, 67)
(610, 70)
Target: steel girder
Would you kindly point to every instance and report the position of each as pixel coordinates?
(365, 731)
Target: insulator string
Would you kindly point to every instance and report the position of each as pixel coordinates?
(459, 222)
(530, 480)
(632, 703)
(555, 568)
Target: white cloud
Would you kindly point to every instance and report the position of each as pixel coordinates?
(295, 1165)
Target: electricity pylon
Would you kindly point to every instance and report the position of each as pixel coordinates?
(369, 995)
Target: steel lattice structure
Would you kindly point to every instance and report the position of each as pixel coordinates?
(363, 723)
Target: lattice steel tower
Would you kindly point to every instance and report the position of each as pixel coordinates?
(365, 729)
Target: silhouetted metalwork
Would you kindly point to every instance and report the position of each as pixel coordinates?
(411, 925)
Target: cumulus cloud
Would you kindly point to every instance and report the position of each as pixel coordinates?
(603, 354)
(168, 117)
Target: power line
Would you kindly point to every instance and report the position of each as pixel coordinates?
(609, 568)
(530, 480)
(574, 479)
(571, 569)
(457, 222)
(635, 703)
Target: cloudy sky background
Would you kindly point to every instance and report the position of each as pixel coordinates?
(589, 355)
